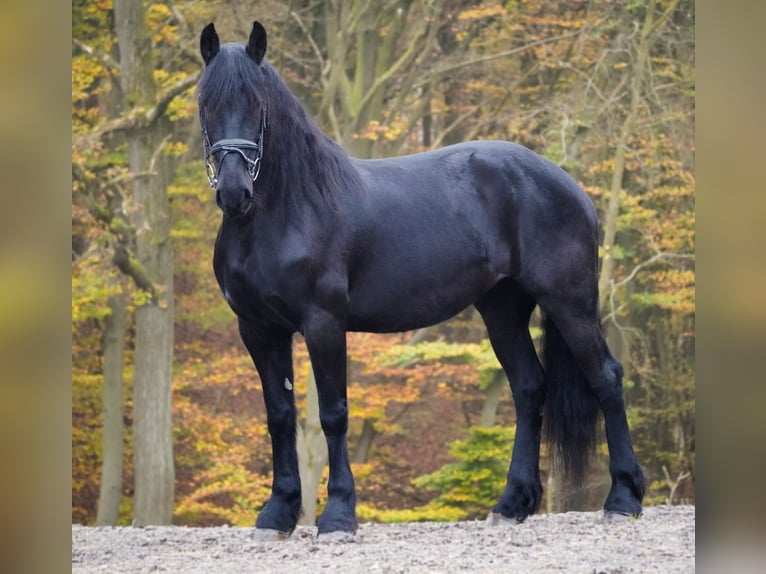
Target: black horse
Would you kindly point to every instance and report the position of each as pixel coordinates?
(318, 242)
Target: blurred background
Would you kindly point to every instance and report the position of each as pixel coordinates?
(604, 89)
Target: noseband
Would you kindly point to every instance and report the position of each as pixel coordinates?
(230, 145)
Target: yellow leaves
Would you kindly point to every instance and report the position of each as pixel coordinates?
(674, 290)
(180, 107)
(221, 442)
(594, 191)
(189, 233)
(427, 513)
(85, 71)
(176, 148)
(483, 12)
(139, 298)
(375, 130)
(162, 78)
(549, 21)
(226, 493)
(478, 354)
(485, 88)
(157, 18)
(91, 286)
(99, 6)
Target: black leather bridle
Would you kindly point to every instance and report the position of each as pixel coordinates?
(230, 145)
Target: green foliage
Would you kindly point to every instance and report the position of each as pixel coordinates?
(433, 512)
(469, 487)
(479, 355)
(90, 289)
(466, 489)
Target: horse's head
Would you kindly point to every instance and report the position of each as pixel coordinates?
(233, 118)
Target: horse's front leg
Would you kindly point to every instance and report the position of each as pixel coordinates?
(272, 355)
(326, 341)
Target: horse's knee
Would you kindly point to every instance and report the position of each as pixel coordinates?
(334, 420)
(608, 386)
(528, 398)
(614, 371)
(281, 420)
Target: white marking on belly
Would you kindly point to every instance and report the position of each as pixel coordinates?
(288, 384)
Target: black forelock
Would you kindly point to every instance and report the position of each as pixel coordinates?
(231, 79)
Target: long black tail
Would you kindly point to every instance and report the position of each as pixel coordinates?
(571, 411)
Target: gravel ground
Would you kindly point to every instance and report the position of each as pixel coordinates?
(662, 540)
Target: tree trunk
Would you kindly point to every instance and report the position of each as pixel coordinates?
(152, 421)
(427, 121)
(363, 447)
(153, 365)
(636, 95)
(493, 393)
(153, 469)
(113, 343)
(312, 453)
(553, 492)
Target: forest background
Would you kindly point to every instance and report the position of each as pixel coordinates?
(167, 419)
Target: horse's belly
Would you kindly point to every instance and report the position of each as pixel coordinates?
(396, 319)
(402, 300)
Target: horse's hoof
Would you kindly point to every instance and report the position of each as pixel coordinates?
(495, 519)
(613, 516)
(336, 536)
(269, 535)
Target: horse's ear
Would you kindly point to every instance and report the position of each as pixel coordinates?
(256, 45)
(209, 43)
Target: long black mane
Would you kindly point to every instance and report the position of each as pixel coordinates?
(300, 163)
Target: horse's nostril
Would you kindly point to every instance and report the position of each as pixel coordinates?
(235, 201)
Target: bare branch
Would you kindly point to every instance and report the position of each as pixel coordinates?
(112, 66)
(179, 18)
(495, 56)
(674, 484)
(664, 16)
(135, 118)
(157, 152)
(122, 257)
(410, 53)
(164, 101)
(131, 267)
(323, 65)
(653, 259)
(127, 177)
(334, 123)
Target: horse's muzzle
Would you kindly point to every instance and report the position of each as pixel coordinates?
(235, 203)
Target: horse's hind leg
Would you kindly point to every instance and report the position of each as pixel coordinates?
(576, 319)
(506, 310)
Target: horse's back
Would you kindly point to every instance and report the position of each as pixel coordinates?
(436, 230)
(496, 172)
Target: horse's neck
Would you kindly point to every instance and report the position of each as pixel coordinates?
(304, 159)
